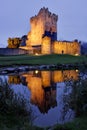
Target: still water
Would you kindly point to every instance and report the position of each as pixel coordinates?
(47, 92)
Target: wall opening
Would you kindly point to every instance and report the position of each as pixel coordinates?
(62, 51)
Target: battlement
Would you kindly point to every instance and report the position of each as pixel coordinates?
(44, 11)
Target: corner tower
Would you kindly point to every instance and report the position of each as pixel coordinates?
(43, 24)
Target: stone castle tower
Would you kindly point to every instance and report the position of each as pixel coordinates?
(43, 24)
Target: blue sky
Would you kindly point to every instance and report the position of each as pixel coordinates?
(15, 15)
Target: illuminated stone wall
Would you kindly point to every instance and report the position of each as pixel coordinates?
(46, 45)
(43, 22)
(60, 47)
(65, 47)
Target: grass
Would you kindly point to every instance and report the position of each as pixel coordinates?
(77, 124)
(41, 59)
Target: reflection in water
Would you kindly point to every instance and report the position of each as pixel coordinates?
(61, 76)
(15, 79)
(42, 85)
(48, 94)
(43, 94)
(46, 78)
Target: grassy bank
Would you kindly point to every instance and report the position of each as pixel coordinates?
(41, 59)
(77, 124)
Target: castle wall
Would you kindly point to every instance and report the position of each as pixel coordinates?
(65, 47)
(37, 30)
(12, 51)
(59, 47)
(46, 45)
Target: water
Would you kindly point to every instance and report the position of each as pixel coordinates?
(48, 94)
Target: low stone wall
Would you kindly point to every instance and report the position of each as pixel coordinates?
(13, 51)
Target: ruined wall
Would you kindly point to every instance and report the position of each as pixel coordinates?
(44, 22)
(13, 51)
(66, 47)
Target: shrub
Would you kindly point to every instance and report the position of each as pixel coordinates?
(13, 108)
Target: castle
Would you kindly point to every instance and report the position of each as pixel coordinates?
(42, 37)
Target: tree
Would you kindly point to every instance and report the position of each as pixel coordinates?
(14, 42)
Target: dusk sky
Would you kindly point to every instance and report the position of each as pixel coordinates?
(15, 16)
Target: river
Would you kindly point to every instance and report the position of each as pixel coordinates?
(49, 93)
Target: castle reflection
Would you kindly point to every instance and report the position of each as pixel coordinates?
(42, 85)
